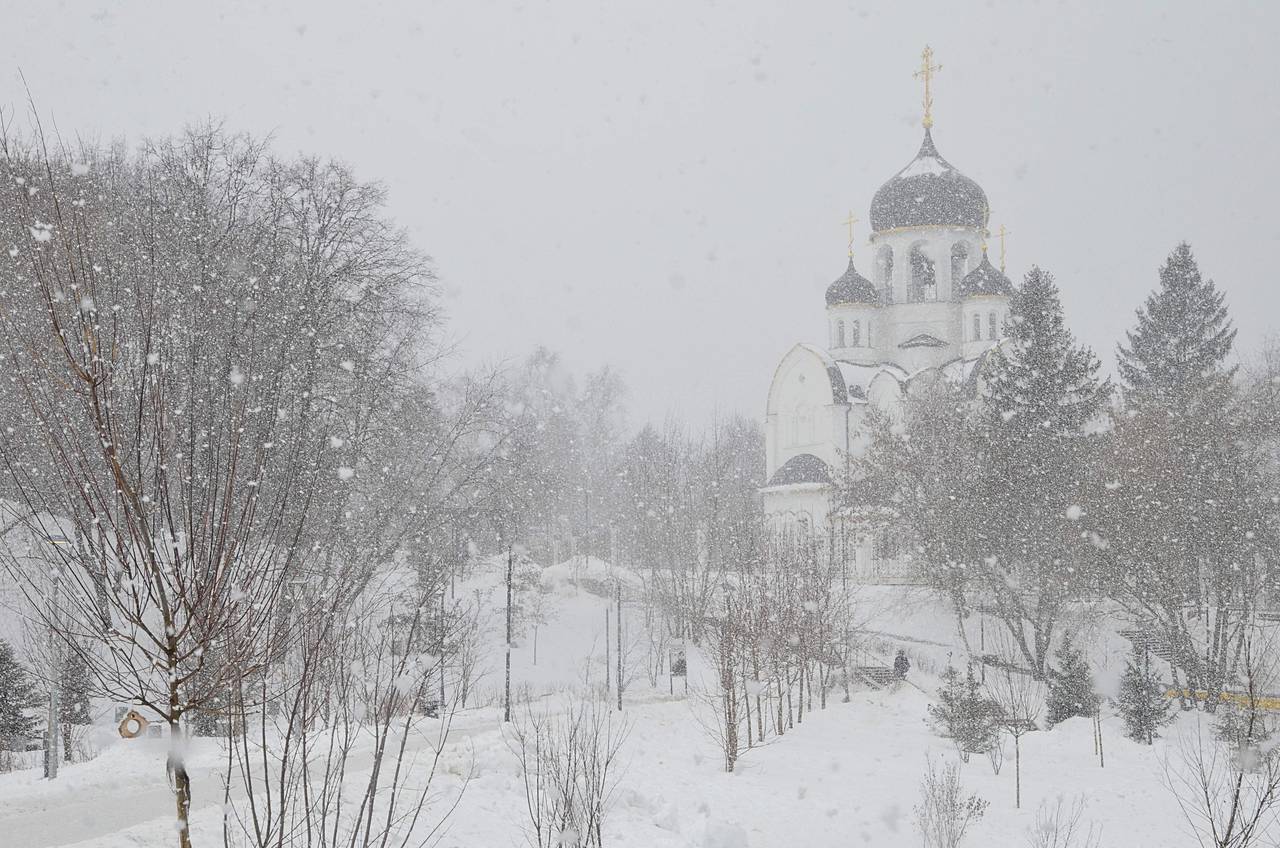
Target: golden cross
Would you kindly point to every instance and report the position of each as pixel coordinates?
(1003, 232)
(850, 221)
(926, 72)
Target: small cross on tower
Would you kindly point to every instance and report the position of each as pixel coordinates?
(1002, 233)
(849, 222)
(926, 72)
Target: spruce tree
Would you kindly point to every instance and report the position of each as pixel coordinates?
(1183, 337)
(1187, 499)
(1142, 700)
(1042, 392)
(17, 694)
(1071, 688)
(964, 714)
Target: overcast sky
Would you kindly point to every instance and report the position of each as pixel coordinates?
(660, 185)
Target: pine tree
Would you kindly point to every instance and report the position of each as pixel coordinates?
(1071, 688)
(17, 693)
(1182, 339)
(1142, 700)
(964, 714)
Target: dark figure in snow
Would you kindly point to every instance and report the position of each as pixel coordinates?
(901, 664)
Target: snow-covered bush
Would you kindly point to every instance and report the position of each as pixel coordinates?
(1142, 700)
(965, 714)
(945, 811)
(1071, 690)
(569, 763)
(1061, 825)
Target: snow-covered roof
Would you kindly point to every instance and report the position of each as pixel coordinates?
(858, 378)
(928, 191)
(801, 468)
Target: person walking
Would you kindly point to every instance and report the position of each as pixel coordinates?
(901, 665)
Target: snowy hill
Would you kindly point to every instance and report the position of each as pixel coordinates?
(846, 775)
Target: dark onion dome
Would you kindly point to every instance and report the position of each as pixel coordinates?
(928, 192)
(985, 279)
(852, 287)
(801, 468)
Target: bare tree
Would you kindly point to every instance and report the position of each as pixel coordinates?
(1229, 789)
(218, 358)
(569, 763)
(356, 692)
(1020, 697)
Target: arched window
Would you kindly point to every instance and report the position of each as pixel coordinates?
(992, 326)
(959, 263)
(977, 327)
(839, 334)
(855, 333)
(884, 266)
(923, 284)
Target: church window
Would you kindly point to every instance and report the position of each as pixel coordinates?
(923, 283)
(959, 262)
(839, 334)
(884, 266)
(977, 327)
(992, 326)
(855, 331)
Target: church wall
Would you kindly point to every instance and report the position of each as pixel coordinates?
(940, 319)
(791, 505)
(867, 333)
(802, 416)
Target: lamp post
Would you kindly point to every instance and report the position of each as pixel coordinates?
(55, 677)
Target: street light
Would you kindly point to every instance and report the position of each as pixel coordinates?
(55, 681)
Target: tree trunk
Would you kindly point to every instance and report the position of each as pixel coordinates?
(180, 780)
(506, 713)
(1017, 772)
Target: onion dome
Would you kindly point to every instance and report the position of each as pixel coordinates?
(928, 192)
(852, 287)
(985, 279)
(801, 468)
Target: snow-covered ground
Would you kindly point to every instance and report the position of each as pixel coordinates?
(848, 775)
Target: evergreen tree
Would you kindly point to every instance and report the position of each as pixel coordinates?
(1142, 700)
(1187, 502)
(73, 693)
(1040, 382)
(17, 694)
(965, 714)
(1182, 339)
(1042, 392)
(73, 698)
(1071, 688)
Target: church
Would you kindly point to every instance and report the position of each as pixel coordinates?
(932, 304)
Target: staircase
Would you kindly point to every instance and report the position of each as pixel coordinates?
(875, 676)
(1147, 641)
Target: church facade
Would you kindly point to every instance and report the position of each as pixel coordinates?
(931, 304)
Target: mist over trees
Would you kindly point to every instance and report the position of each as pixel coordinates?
(241, 479)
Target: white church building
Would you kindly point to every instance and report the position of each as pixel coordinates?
(932, 303)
